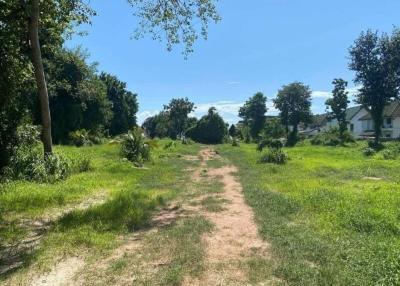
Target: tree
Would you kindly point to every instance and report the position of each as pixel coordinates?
(157, 125)
(273, 129)
(48, 21)
(232, 131)
(338, 105)
(294, 102)
(77, 97)
(210, 129)
(124, 104)
(253, 113)
(178, 110)
(376, 62)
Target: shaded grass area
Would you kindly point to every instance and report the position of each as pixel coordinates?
(132, 195)
(328, 222)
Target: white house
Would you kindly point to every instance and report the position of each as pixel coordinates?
(361, 124)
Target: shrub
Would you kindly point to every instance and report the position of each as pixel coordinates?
(210, 129)
(29, 163)
(134, 147)
(390, 154)
(276, 156)
(368, 151)
(271, 143)
(331, 137)
(169, 145)
(235, 142)
(82, 137)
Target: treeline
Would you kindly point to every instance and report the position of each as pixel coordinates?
(174, 122)
(85, 106)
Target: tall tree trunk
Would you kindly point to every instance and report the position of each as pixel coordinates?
(40, 78)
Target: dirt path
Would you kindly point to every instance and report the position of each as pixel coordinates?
(235, 237)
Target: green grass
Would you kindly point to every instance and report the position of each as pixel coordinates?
(327, 222)
(213, 204)
(131, 195)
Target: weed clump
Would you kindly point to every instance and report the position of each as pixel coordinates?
(275, 156)
(134, 147)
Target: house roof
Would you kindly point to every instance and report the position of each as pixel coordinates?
(391, 110)
(352, 111)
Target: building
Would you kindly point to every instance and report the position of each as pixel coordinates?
(361, 125)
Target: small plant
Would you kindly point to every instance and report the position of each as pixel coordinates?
(134, 147)
(390, 154)
(80, 138)
(235, 142)
(368, 152)
(169, 145)
(275, 156)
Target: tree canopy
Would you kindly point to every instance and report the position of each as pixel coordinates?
(178, 110)
(376, 62)
(294, 102)
(253, 113)
(210, 129)
(338, 105)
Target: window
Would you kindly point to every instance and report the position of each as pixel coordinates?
(351, 127)
(388, 122)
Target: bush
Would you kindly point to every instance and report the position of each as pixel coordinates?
(235, 142)
(331, 137)
(210, 129)
(368, 151)
(82, 137)
(390, 154)
(134, 147)
(169, 145)
(271, 143)
(275, 156)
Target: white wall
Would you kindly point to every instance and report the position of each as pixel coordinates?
(396, 127)
(358, 129)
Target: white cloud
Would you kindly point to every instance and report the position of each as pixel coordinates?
(321, 94)
(143, 115)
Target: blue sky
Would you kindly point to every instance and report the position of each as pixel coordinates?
(259, 45)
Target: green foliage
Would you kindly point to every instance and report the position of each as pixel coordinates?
(275, 156)
(293, 102)
(271, 143)
(253, 113)
(332, 137)
(124, 104)
(82, 137)
(368, 151)
(176, 21)
(376, 63)
(235, 142)
(232, 131)
(210, 129)
(134, 146)
(157, 125)
(29, 163)
(244, 132)
(178, 110)
(338, 104)
(390, 153)
(273, 129)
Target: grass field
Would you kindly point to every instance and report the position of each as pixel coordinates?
(120, 199)
(331, 214)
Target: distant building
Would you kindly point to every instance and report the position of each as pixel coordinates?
(361, 125)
